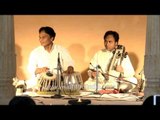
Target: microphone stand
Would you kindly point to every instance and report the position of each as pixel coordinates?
(96, 92)
(58, 91)
(114, 76)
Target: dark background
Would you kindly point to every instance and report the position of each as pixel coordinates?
(79, 7)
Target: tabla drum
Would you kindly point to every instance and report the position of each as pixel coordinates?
(47, 83)
(72, 83)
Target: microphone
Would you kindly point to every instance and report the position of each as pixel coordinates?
(93, 65)
(59, 63)
(96, 92)
(99, 67)
(102, 72)
(59, 66)
(58, 59)
(58, 90)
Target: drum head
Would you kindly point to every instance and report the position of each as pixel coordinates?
(47, 84)
(72, 83)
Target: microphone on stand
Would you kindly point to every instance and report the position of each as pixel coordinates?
(58, 60)
(102, 73)
(60, 67)
(59, 74)
(96, 92)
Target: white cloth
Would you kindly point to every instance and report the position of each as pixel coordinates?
(103, 58)
(39, 57)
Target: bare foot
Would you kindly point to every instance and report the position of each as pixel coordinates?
(141, 94)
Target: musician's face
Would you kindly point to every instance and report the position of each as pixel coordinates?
(45, 39)
(110, 43)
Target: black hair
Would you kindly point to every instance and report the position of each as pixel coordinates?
(113, 33)
(21, 101)
(50, 31)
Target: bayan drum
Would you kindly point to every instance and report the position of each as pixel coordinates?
(47, 83)
(72, 83)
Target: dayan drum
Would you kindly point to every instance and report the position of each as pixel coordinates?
(47, 83)
(72, 83)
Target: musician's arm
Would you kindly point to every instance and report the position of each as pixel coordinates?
(67, 63)
(32, 65)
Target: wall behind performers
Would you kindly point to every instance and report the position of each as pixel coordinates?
(82, 35)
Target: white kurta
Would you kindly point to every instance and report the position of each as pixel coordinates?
(103, 59)
(39, 57)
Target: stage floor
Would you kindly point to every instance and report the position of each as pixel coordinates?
(96, 99)
(63, 101)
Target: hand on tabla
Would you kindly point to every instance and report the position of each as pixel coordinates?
(41, 70)
(70, 70)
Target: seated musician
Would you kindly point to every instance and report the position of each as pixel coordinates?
(111, 67)
(48, 58)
